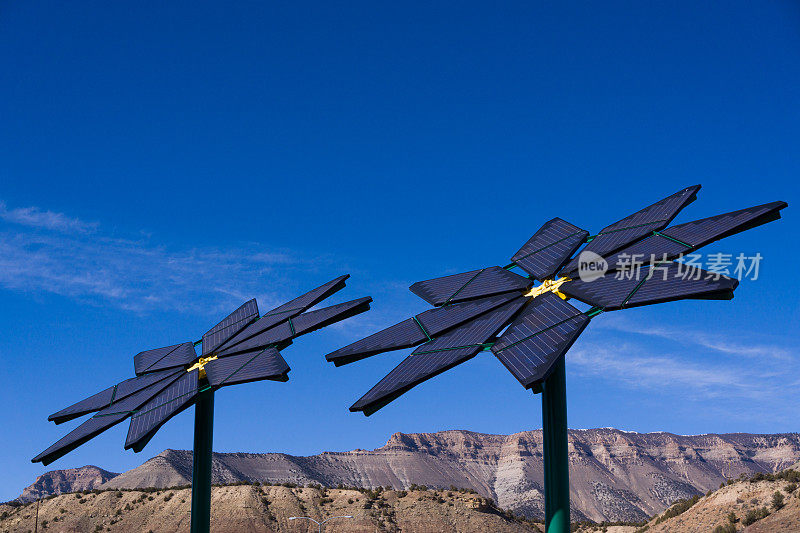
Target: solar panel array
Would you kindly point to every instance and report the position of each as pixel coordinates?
(171, 378)
(469, 285)
(544, 253)
(470, 305)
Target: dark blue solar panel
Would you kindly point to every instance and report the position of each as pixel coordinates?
(469, 285)
(549, 248)
(406, 334)
(153, 414)
(287, 311)
(469, 336)
(702, 232)
(675, 281)
(160, 358)
(314, 320)
(230, 326)
(607, 292)
(417, 330)
(246, 367)
(685, 238)
(434, 357)
(440, 319)
(653, 249)
(103, 399)
(638, 225)
(544, 331)
(300, 325)
(181, 356)
(662, 283)
(106, 418)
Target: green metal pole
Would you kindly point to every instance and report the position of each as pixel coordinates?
(556, 461)
(201, 469)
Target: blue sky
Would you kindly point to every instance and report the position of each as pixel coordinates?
(163, 163)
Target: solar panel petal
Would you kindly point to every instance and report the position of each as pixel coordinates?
(161, 358)
(417, 330)
(230, 326)
(152, 415)
(105, 398)
(314, 320)
(608, 292)
(247, 367)
(83, 433)
(544, 253)
(469, 285)
(106, 418)
(300, 325)
(634, 227)
(436, 356)
(685, 238)
(406, 334)
(542, 333)
(676, 281)
(664, 283)
(286, 311)
(702, 232)
(440, 319)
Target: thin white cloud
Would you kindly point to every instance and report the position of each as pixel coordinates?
(50, 252)
(50, 220)
(756, 348)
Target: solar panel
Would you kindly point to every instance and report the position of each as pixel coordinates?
(668, 282)
(678, 282)
(230, 326)
(314, 320)
(544, 331)
(416, 330)
(288, 310)
(160, 358)
(638, 225)
(105, 419)
(406, 334)
(690, 236)
(105, 398)
(469, 285)
(608, 292)
(472, 334)
(436, 356)
(440, 319)
(544, 254)
(702, 232)
(153, 414)
(305, 323)
(247, 367)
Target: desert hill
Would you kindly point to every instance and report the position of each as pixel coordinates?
(615, 475)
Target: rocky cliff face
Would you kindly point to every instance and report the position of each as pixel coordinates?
(615, 475)
(62, 481)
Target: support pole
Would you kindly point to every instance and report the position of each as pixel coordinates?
(201, 469)
(556, 461)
